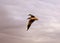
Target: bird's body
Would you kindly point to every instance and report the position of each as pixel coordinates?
(31, 20)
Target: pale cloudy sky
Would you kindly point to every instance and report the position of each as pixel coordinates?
(13, 21)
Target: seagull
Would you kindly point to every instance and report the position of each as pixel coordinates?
(32, 18)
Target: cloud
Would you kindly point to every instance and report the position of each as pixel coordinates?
(13, 20)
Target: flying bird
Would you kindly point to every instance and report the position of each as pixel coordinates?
(32, 18)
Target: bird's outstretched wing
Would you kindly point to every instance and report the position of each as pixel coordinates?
(29, 23)
(31, 15)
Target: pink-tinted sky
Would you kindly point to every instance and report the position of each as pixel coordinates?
(13, 21)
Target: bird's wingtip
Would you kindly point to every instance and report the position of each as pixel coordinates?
(29, 14)
(27, 30)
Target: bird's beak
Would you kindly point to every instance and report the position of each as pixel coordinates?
(36, 18)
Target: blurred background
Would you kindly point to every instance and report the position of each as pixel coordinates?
(13, 21)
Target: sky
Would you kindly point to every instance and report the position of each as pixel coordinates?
(13, 21)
